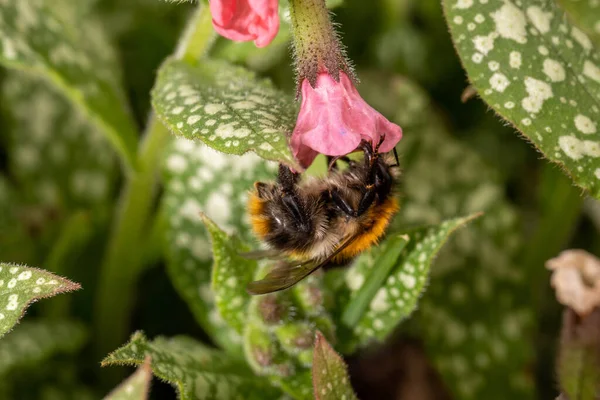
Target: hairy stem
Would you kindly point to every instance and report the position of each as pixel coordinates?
(316, 45)
(123, 260)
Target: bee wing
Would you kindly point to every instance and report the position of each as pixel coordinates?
(287, 274)
(260, 254)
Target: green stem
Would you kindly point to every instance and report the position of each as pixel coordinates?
(316, 45)
(560, 205)
(76, 233)
(122, 264)
(154, 246)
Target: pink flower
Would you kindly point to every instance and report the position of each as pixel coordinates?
(333, 120)
(244, 20)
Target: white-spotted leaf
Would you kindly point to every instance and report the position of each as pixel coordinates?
(226, 107)
(199, 179)
(584, 15)
(59, 158)
(280, 331)
(230, 275)
(20, 286)
(136, 387)
(538, 71)
(73, 55)
(33, 342)
(477, 291)
(386, 261)
(397, 297)
(329, 373)
(195, 370)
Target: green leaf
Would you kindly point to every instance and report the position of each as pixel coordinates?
(477, 291)
(33, 342)
(225, 107)
(584, 14)
(59, 158)
(280, 331)
(386, 261)
(136, 387)
(538, 71)
(75, 57)
(230, 275)
(330, 374)
(397, 298)
(196, 371)
(20, 286)
(199, 179)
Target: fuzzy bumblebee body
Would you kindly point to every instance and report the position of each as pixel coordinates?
(334, 218)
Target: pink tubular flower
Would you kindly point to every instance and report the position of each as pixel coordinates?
(333, 120)
(244, 20)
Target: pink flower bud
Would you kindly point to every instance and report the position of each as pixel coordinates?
(333, 120)
(244, 20)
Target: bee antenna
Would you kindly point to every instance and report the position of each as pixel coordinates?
(396, 157)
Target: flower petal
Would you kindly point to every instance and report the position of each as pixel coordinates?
(333, 120)
(245, 20)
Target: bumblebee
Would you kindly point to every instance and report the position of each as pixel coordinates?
(331, 219)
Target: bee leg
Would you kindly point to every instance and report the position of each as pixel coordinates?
(287, 179)
(370, 155)
(364, 204)
(332, 162)
(376, 182)
(367, 199)
(381, 139)
(262, 189)
(397, 160)
(289, 196)
(341, 203)
(293, 205)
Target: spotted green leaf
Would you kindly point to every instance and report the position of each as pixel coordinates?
(280, 331)
(226, 107)
(584, 14)
(329, 373)
(33, 342)
(386, 261)
(199, 179)
(59, 158)
(398, 295)
(195, 370)
(136, 387)
(20, 286)
(538, 71)
(477, 291)
(73, 55)
(230, 275)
